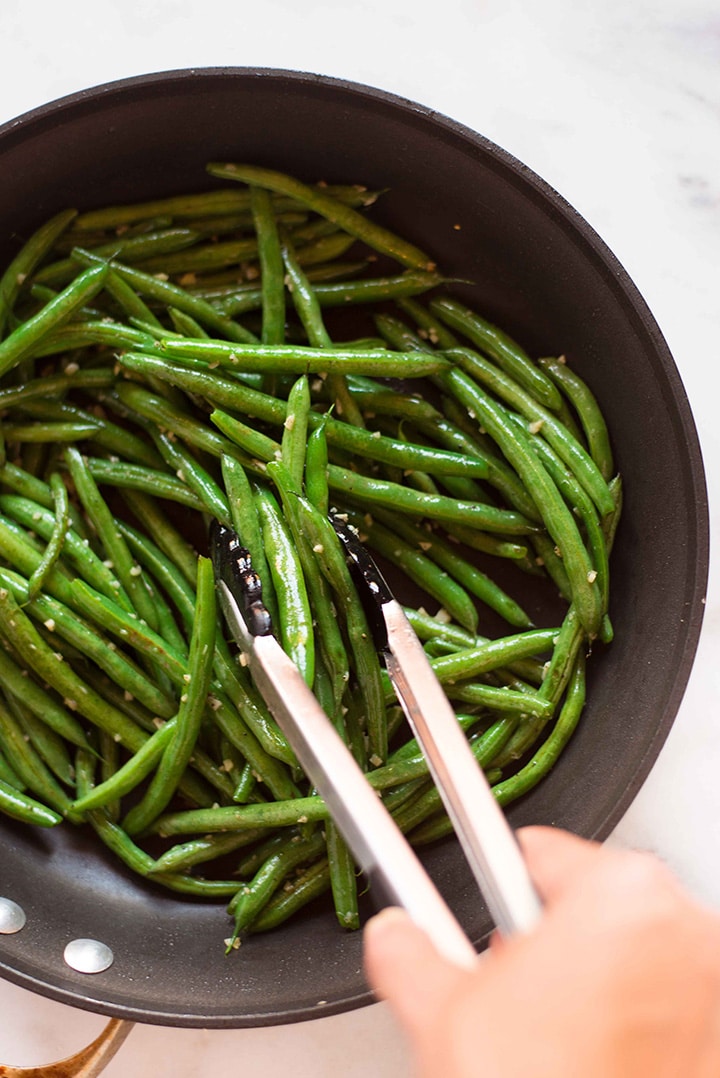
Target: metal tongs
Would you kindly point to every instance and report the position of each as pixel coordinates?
(370, 831)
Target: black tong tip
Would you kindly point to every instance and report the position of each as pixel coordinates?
(371, 585)
(233, 565)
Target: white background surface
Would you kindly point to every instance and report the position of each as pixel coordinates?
(615, 104)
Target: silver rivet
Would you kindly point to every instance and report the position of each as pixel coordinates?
(88, 956)
(12, 917)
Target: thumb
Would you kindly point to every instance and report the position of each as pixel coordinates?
(404, 968)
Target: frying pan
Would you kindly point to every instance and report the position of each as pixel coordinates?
(538, 270)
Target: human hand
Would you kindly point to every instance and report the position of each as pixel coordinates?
(621, 979)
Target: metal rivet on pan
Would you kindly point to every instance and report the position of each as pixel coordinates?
(88, 956)
(12, 917)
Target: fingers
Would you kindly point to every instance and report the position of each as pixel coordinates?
(404, 968)
(556, 858)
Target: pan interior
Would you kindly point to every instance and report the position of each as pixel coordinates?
(541, 273)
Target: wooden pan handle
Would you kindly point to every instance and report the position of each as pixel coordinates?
(88, 1063)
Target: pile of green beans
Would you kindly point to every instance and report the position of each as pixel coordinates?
(168, 363)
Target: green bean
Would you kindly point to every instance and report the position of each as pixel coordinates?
(24, 339)
(174, 296)
(304, 299)
(496, 546)
(245, 786)
(370, 491)
(48, 432)
(397, 334)
(28, 257)
(49, 746)
(29, 766)
(28, 486)
(93, 644)
(130, 248)
(582, 505)
(76, 336)
(377, 237)
(205, 204)
(325, 544)
(271, 263)
(488, 656)
(343, 878)
(314, 881)
(557, 517)
(75, 550)
(586, 406)
(188, 470)
(10, 777)
(177, 753)
(429, 326)
(16, 683)
(316, 464)
(109, 762)
(268, 769)
(546, 756)
(202, 257)
(299, 359)
(294, 436)
(110, 436)
(57, 539)
(186, 325)
(182, 206)
(24, 808)
(51, 667)
(128, 628)
(56, 385)
(243, 514)
(295, 628)
(501, 698)
(556, 433)
(129, 573)
(332, 660)
(168, 539)
(186, 855)
(500, 347)
(468, 576)
(324, 249)
(252, 896)
(148, 480)
(228, 393)
(299, 810)
(376, 289)
(434, 580)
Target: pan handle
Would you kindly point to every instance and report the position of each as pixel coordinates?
(88, 1063)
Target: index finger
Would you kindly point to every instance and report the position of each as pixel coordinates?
(556, 858)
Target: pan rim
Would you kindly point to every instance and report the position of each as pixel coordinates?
(634, 308)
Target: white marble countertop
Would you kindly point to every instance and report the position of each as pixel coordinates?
(617, 106)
